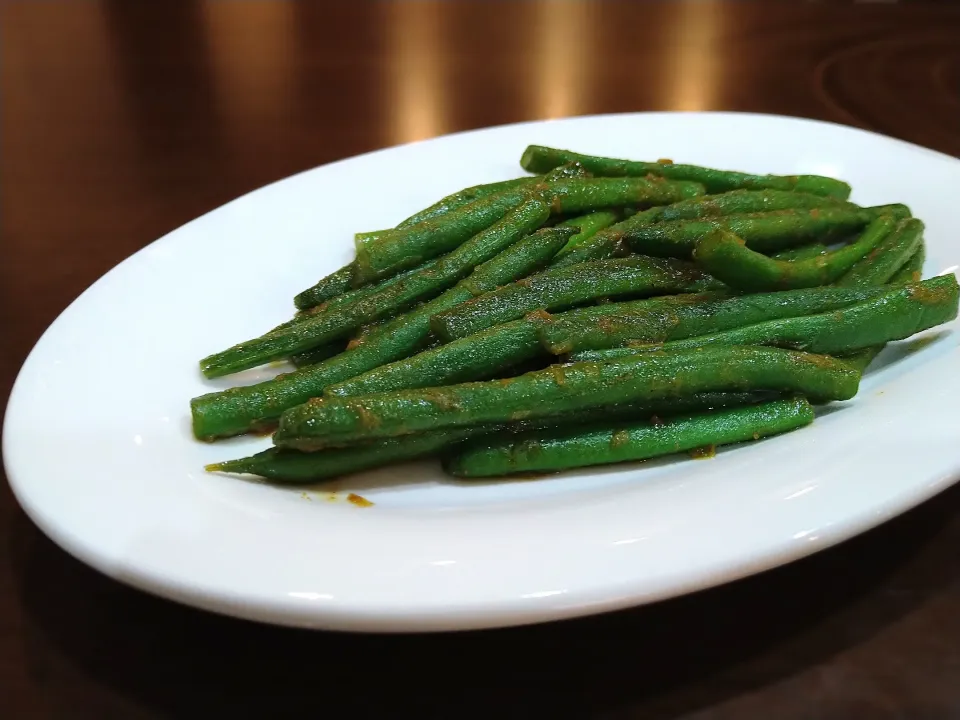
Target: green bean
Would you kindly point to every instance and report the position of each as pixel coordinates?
(900, 312)
(362, 237)
(333, 421)
(466, 196)
(662, 319)
(351, 295)
(255, 407)
(588, 226)
(881, 264)
(558, 288)
(338, 319)
(327, 288)
(764, 232)
(676, 231)
(341, 280)
(740, 202)
(555, 450)
(726, 257)
(911, 271)
(318, 354)
(456, 200)
(416, 244)
(537, 158)
(609, 243)
(804, 252)
(476, 357)
(294, 467)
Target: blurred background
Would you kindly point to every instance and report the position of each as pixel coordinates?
(131, 118)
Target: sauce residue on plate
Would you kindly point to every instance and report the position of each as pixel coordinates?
(703, 453)
(358, 500)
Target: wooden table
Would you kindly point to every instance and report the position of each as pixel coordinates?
(122, 120)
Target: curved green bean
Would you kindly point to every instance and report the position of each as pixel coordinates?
(332, 421)
(726, 257)
(804, 252)
(740, 202)
(764, 232)
(537, 158)
(662, 319)
(902, 311)
(705, 206)
(588, 226)
(554, 450)
(767, 231)
(884, 261)
(911, 271)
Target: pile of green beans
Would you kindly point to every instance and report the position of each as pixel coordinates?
(595, 311)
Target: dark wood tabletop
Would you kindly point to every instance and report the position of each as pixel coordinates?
(121, 120)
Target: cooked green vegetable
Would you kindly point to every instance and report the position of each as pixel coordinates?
(588, 226)
(319, 354)
(476, 357)
(243, 409)
(327, 288)
(804, 252)
(554, 450)
(333, 421)
(884, 261)
(740, 202)
(610, 243)
(341, 281)
(568, 286)
(902, 311)
(337, 319)
(351, 297)
(466, 196)
(661, 319)
(911, 271)
(764, 232)
(726, 257)
(293, 467)
(414, 245)
(537, 158)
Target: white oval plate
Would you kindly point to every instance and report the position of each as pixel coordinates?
(99, 453)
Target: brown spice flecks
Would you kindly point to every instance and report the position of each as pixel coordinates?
(358, 500)
(702, 453)
(618, 438)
